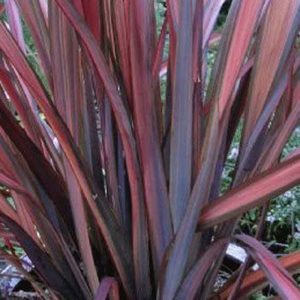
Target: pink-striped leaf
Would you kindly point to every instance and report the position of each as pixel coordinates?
(242, 18)
(108, 288)
(11, 50)
(194, 278)
(256, 280)
(252, 193)
(279, 26)
(283, 283)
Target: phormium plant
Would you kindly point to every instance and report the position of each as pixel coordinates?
(114, 135)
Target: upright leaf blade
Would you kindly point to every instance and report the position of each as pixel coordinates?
(108, 288)
(194, 278)
(243, 17)
(211, 12)
(275, 40)
(32, 12)
(104, 217)
(142, 35)
(182, 114)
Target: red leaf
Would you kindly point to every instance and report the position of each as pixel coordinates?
(211, 12)
(146, 118)
(42, 262)
(91, 10)
(116, 241)
(32, 12)
(274, 43)
(108, 288)
(256, 280)
(242, 18)
(283, 283)
(195, 276)
(252, 193)
(14, 20)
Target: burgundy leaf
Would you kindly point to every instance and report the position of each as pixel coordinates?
(278, 276)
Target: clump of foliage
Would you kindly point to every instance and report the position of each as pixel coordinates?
(114, 140)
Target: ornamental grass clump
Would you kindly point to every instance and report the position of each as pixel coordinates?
(115, 128)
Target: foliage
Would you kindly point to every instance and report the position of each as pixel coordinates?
(117, 137)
